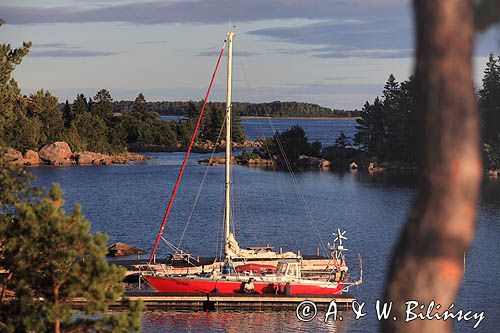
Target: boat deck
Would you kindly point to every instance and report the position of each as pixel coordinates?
(127, 262)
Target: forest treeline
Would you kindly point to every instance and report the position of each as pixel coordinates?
(90, 123)
(30, 122)
(271, 109)
(386, 128)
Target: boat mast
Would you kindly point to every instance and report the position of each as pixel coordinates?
(227, 217)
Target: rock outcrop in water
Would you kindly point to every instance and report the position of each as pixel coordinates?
(494, 174)
(16, 157)
(122, 249)
(204, 147)
(348, 158)
(336, 158)
(89, 157)
(303, 161)
(13, 155)
(59, 153)
(31, 157)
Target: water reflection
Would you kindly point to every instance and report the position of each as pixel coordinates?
(128, 202)
(240, 321)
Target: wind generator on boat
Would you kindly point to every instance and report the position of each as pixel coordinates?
(185, 274)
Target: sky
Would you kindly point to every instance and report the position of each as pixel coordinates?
(336, 53)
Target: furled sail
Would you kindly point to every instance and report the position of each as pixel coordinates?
(236, 252)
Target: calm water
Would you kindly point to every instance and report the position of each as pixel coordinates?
(324, 130)
(128, 202)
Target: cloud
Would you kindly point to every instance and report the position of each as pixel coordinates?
(343, 38)
(344, 78)
(325, 88)
(359, 53)
(370, 37)
(207, 11)
(70, 53)
(45, 45)
(63, 50)
(289, 51)
(349, 28)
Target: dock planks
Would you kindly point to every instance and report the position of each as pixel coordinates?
(214, 301)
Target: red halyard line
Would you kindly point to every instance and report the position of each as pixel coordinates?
(193, 137)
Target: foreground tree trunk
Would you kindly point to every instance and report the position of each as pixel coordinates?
(428, 260)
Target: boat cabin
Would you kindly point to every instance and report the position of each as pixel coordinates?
(288, 268)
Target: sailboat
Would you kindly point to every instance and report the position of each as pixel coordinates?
(271, 272)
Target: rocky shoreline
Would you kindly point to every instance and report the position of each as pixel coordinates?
(494, 174)
(205, 147)
(331, 158)
(59, 153)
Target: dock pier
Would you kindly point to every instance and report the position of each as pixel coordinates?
(216, 301)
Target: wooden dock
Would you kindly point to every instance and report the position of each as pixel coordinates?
(156, 300)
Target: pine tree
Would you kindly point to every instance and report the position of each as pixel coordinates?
(408, 105)
(371, 129)
(103, 105)
(393, 121)
(363, 127)
(215, 120)
(238, 134)
(74, 139)
(139, 104)
(53, 256)
(386, 127)
(342, 140)
(10, 58)
(489, 101)
(294, 143)
(79, 106)
(184, 131)
(93, 131)
(191, 111)
(45, 107)
(66, 113)
(391, 90)
(11, 100)
(490, 93)
(377, 143)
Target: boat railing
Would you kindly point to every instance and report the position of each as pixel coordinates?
(181, 255)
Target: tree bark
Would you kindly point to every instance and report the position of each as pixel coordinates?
(57, 321)
(427, 263)
(4, 285)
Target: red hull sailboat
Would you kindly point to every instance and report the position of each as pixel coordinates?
(286, 280)
(253, 267)
(207, 286)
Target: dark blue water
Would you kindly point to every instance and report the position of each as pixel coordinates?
(128, 203)
(322, 130)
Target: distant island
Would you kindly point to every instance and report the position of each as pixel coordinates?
(276, 109)
(38, 128)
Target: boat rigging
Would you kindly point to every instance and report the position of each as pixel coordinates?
(230, 275)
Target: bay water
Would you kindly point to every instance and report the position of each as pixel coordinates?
(128, 202)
